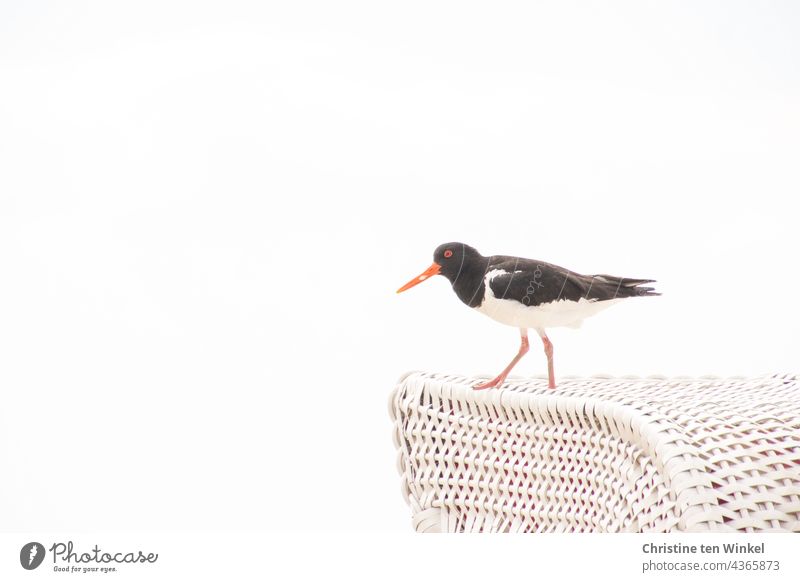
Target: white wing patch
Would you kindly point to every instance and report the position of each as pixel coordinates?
(494, 273)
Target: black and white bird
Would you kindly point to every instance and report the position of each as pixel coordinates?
(527, 294)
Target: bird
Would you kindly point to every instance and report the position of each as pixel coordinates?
(527, 294)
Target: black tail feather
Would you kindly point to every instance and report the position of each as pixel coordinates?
(627, 287)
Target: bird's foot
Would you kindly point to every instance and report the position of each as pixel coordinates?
(490, 383)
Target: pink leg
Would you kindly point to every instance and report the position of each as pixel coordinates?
(523, 349)
(548, 350)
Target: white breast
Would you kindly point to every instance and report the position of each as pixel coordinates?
(560, 313)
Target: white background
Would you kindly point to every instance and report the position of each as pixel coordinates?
(205, 210)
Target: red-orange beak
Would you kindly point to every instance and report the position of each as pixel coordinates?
(429, 272)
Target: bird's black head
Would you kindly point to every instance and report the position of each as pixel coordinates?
(450, 260)
(453, 258)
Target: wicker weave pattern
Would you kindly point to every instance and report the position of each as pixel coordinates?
(600, 454)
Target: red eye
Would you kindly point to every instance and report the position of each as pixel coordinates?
(448, 253)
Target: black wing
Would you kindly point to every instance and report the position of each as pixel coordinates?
(537, 282)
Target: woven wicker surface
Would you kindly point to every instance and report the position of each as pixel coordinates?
(600, 454)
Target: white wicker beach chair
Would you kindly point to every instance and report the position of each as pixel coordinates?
(600, 454)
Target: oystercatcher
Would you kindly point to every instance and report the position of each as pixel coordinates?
(527, 294)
